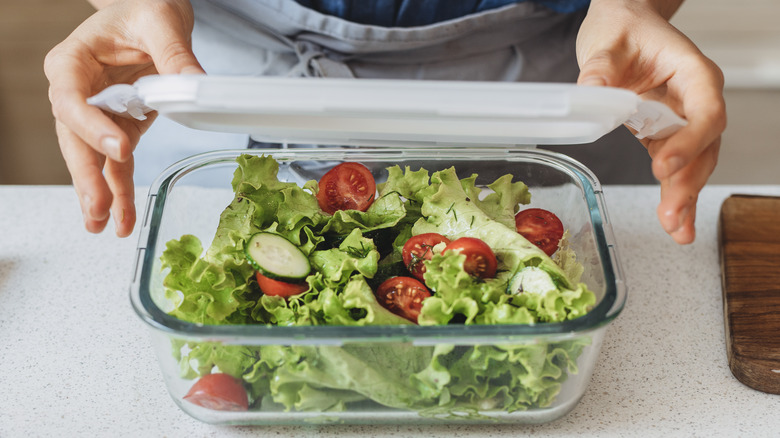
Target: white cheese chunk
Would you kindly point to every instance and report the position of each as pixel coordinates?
(532, 280)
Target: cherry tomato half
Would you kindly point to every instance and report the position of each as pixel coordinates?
(403, 296)
(540, 227)
(219, 391)
(480, 260)
(419, 248)
(269, 286)
(348, 186)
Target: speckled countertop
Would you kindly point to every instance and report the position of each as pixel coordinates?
(76, 361)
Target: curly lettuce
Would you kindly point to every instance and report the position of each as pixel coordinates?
(350, 251)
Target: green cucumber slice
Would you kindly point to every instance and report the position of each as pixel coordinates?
(276, 257)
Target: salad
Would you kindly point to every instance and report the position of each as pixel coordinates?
(418, 248)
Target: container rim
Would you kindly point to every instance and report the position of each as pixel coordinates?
(602, 314)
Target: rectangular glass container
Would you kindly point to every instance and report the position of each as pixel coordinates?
(188, 199)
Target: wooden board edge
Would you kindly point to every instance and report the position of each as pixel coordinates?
(742, 368)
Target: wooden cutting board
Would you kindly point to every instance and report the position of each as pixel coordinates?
(749, 242)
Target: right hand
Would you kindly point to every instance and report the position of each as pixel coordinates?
(118, 44)
(632, 45)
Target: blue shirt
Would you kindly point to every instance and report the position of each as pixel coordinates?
(408, 13)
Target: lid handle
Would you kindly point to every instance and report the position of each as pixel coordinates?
(654, 120)
(121, 99)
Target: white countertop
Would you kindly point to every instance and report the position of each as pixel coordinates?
(76, 361)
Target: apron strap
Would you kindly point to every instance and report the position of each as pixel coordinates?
(312, 61)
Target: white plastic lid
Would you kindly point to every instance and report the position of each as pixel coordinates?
(379, 112)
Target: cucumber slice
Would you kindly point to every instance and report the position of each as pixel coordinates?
(276, 257)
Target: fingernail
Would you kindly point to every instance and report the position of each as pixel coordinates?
(682, 217)
(673, 221)
(191, 70)
(119, 218)
(88, 213)
(596, 81)
(668, 221)
(86, 205)
(671, 165)
(110, 146)
(684, 237)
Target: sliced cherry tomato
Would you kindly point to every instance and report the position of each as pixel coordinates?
(419, 248)
(348, 186)
(540, 227)
(269, 286)
(219, 391)
(403, 296)
(480, 260)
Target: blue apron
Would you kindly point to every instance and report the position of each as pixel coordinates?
(409, 13)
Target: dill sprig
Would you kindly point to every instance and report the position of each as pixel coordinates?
(358, 253)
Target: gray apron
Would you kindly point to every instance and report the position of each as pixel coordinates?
(519, 42)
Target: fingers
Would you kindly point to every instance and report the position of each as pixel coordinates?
(90, 123)
(104, 187)
(174, 57)
(677, 216)
(704, 107)
(94, 148)
(86, 168)
(69, 86)
(168, 41)
(679, 194)
(684, 162)
(683, 231)
(600, 69)
(119, 177)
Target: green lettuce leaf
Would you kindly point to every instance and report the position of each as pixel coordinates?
(454, 210)
(356, 254)
(204, 292)
(442, 380)
(217, 286)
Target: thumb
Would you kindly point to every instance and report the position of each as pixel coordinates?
(174, 57)
(600, 69)
(167, 39)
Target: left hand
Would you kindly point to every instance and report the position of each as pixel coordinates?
(118, 44)
(632, 45)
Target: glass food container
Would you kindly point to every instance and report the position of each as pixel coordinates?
(518, 373)
(390, 373)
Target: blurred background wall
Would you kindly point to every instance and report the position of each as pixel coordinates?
(28, 145)
(742, 37)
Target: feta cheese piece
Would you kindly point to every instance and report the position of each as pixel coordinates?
(532, 280)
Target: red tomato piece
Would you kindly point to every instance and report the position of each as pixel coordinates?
(403, 296)
(220, 392)
(418, 249)
(480, 260)
(348, 186)
(540, 227)
(269, 286)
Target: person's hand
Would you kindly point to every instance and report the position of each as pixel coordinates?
(630, 44)
(118, 44)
